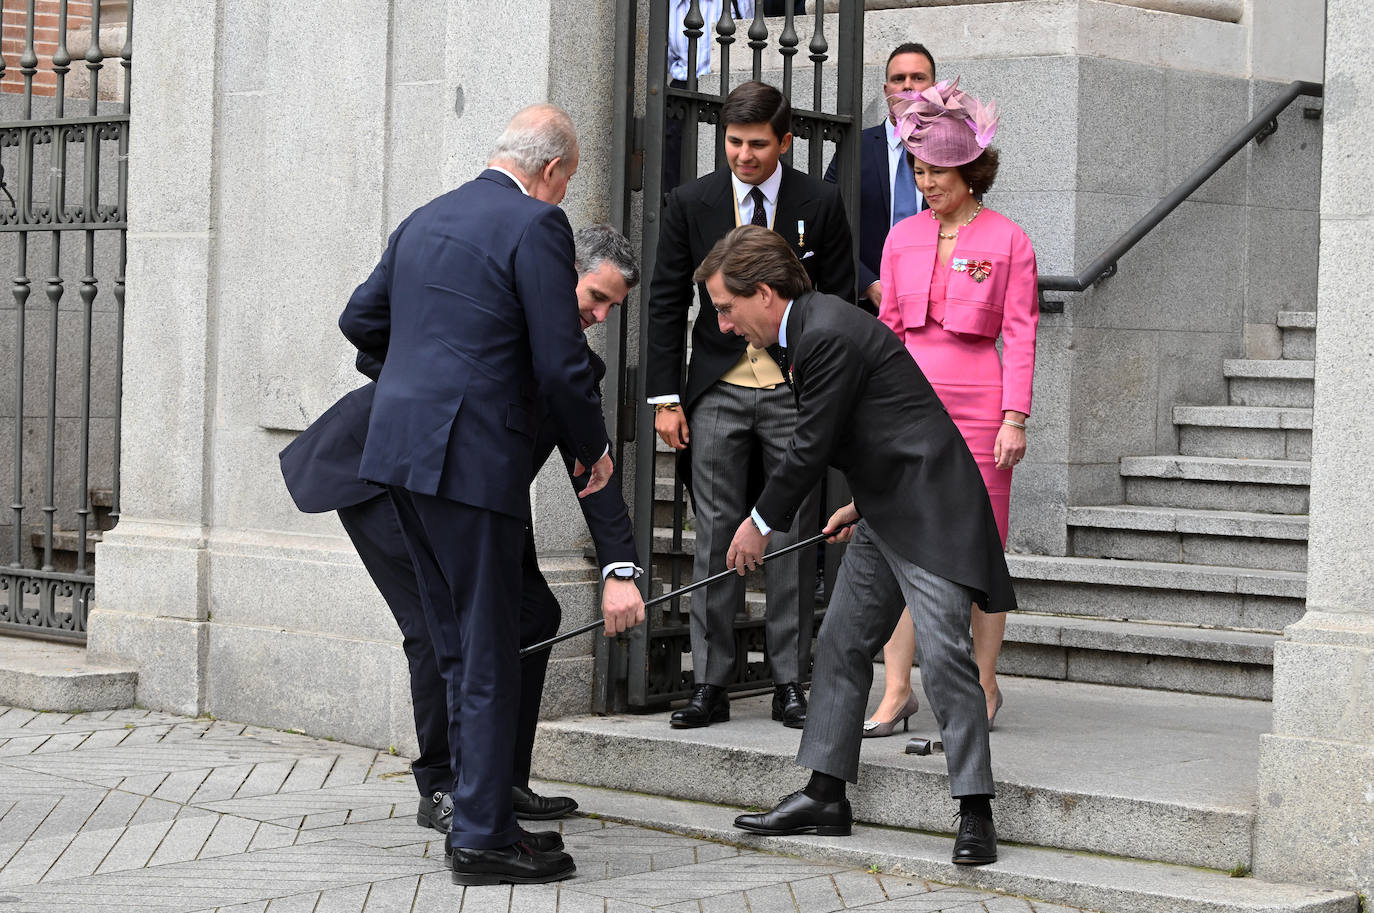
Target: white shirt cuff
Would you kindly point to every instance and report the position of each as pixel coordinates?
(758, 521)
(606, 571)
(665, 398)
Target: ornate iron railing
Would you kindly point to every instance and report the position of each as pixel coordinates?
(650, 672)
(61, 174)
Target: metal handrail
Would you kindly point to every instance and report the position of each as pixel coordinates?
(1260, 128)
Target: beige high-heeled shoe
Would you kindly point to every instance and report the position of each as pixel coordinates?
(996, 708)
(874, 729)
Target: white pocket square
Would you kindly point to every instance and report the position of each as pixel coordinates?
(809, 253)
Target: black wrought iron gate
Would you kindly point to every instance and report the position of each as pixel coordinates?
(648, 671)
(64, 143)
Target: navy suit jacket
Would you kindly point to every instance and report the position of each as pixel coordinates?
(321, 470)
(472, 313)
(875, 201)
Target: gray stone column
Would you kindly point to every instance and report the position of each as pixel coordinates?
(1316, 776)
(152, 596)
(269, 163)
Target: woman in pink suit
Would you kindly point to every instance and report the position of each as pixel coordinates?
(954, 278)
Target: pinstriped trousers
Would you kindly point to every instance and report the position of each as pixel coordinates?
(727, 422)
(872, 585)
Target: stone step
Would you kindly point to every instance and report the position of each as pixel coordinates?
(1142, 655)
(1254, 432)
(568, 568)
(1218, 483)
(41, 675)
(1298, 333)
(1252, 599)
(1209, 537)
(1070, 763)
(1084, 880)
(1256, 382)
(1297, 320)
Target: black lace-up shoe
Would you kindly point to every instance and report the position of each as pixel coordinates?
(789, 705)
(976, 840)
(518, 863)
(708, 704)
(531, 806)
(801, 814)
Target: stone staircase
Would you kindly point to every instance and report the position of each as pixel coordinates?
(67, 542)
(1187, 585)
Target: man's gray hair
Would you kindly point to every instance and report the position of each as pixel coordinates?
(534, 137)
(598, 244)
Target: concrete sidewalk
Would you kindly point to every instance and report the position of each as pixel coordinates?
(131, 810)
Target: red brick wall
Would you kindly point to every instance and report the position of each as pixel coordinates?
(45, 22)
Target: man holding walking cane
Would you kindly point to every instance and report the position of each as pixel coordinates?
(925, 535)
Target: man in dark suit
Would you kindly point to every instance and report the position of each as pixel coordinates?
(735, 397)
(471, 313)
(927, 538)
(320, 468)
(887, 185)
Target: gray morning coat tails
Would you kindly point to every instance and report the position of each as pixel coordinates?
(866, 409)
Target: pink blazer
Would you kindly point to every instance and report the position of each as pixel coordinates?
(1005, 303)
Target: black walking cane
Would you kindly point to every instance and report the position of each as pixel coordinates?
(682, 591)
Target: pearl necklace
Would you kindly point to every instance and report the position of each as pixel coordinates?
(955, 234)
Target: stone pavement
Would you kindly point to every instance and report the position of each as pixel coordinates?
(132, 810)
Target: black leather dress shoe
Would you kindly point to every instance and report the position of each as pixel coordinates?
(708, 704)
(436, 812)
(531, 806)
(976, 842)
(789, 705)
(800, 814)
(518, 863)
(542, 841)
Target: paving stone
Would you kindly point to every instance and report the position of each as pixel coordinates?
(350, 899)
(394, 895)
(135, 847)
(185, 840)
(816, 895)
(298, 903)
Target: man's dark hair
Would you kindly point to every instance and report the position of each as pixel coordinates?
(758, 103)
(752, 255)
(910, 47)
(598, 244)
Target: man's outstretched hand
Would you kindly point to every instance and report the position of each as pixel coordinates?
(600, 475)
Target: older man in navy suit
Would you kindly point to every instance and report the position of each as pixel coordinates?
(887, 185)
(472, 313)
(320, 468)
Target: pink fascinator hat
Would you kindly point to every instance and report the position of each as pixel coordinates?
(944, 126)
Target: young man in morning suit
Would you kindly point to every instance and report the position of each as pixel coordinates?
(321, 472)
(887, 185)
(734, 399)
(925, 535)
(473, 315)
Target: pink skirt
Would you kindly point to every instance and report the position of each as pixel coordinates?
(966, 373)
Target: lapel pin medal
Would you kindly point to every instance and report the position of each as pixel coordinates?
(978, 270)
(801, 233)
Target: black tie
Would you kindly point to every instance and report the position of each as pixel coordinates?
(760, 216)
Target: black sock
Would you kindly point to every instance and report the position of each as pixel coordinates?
(824, 788)
(976, 805)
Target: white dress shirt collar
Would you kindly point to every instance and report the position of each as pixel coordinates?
(510, 174)
(782, 330)
(769, 188)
